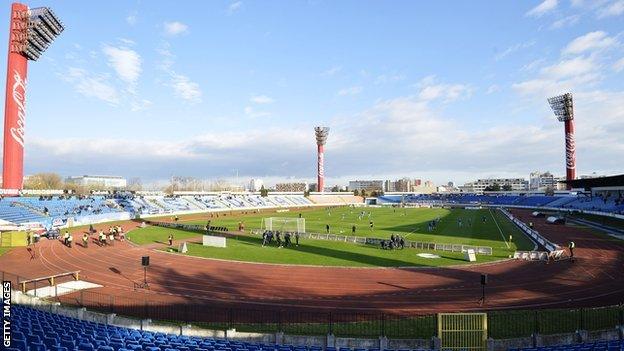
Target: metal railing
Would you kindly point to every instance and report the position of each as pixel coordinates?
(480, 250)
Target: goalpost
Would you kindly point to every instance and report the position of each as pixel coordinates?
(284, 224)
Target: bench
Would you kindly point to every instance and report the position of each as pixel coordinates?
(50, 279)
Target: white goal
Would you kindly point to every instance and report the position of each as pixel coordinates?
(284, 224)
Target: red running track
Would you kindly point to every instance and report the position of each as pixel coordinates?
(595, 278)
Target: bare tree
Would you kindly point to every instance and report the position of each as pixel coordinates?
(135, 184)
(44, 181)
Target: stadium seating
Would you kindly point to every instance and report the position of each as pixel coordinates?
(35, 330)
(613, 345)
(49, 210)
(580, 202)
(45, 210)
(12, 211)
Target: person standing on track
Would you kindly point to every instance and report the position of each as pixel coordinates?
(85, 240)
(65, 237)
(571, 246)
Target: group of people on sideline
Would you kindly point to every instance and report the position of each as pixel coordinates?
(395, 242)
(268, 236)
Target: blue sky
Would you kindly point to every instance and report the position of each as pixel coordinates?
(441, 90)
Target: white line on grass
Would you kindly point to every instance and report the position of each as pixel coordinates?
(499, 228)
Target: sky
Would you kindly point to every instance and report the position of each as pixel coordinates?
(440, 90)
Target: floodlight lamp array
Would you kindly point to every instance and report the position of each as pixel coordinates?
(39, 29)
(562, 106)
(321, 135)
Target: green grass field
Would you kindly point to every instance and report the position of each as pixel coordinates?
(409, 223)
(151, 235)
(4, 250)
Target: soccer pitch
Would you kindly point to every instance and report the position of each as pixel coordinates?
(410, 223)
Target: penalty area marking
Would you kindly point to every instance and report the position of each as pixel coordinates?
(499, 228)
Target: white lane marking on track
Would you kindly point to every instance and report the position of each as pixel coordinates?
(588, 272)
(499, 228)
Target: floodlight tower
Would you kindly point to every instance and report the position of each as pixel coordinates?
(321, 138)
(563, 108)
(30, 33)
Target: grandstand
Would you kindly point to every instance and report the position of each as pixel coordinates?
(582, 201)
(37, 330)
(57, 210)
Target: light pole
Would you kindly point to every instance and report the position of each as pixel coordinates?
(30, 33)
(321, 139)
(563, 107)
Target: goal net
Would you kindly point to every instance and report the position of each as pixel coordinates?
(283, 224)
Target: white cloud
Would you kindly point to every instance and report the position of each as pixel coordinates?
(175, 28)
(251, 112)
(430, 90)
(354, 90)
(533, 65)
(512, 49)
(390, 77)
(543, 8)
(572, 67)
(568, 21)
(131, 19)
(185, 88)
(565, 75)
(93, 86)
(126, 63)
(446, 147)
(618, 66)
(590, 41)
(614, 9)
(140, 105)
(235, 6)
(127, 41)
(332, 70)
(261, 99)
(182, 85)
(493, 89)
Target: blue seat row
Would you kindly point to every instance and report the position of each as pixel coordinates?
(35, 330)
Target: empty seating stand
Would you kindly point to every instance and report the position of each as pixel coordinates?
(612, 345)
(35, 330)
